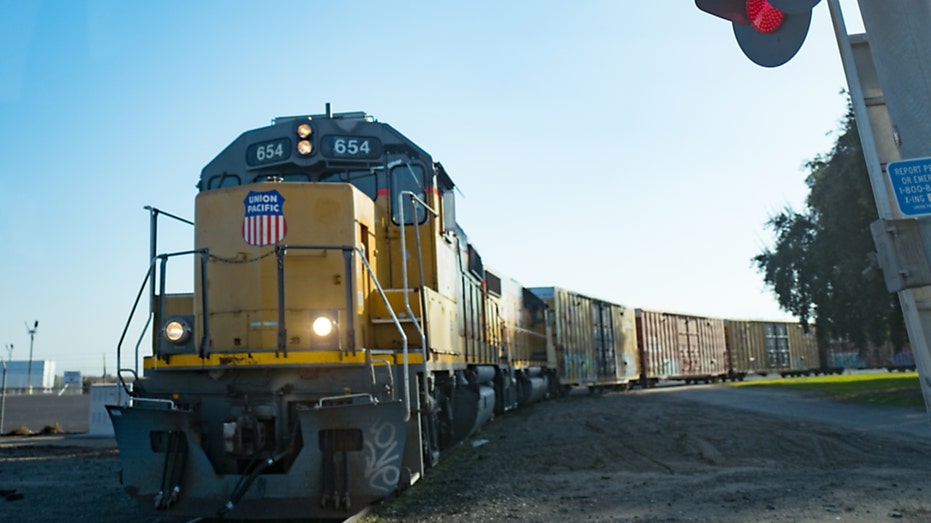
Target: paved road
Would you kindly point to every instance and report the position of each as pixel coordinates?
(897, 421)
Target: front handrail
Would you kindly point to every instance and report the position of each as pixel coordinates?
(132, 313)
(397, 324)
(149, 280)
(359, 395)
(280, 251)
(415, 200)
(348, 252)
(154, 213)
(168, 404)
(163, 268)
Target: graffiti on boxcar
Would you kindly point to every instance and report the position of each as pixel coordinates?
(903, 359)
(660, 364)
(382, 457)
(578, 366)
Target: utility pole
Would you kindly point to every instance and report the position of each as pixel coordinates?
(3, 395)
(9, 351)
(32, 337)
(890, 86)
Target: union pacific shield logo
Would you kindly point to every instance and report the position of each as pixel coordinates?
(264, 222)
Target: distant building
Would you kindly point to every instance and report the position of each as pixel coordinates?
(41, 378)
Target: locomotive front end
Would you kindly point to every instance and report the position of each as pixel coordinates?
(284, 275)
(263, 397)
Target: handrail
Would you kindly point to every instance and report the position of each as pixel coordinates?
(348, 251)
(132, 312)
(170, 404)
(415, 200)
(150, 280)
(142, 332)
(321, 401)
(163, 266)
(397, 324)
(387, 364)
(280, 251)
(153, 243)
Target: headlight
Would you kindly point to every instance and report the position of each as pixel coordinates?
(322, 326)
(304, 130)
(177, 331)
(304, 147)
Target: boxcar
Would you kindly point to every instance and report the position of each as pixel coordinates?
(680, 347)
(595, 340)
(764, 347)
(840, 355)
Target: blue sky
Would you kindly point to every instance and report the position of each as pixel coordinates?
(625, 150)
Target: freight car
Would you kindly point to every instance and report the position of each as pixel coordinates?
(341, 333)
(595, 341)
(842, 355)
(764, 347)
(680, 347)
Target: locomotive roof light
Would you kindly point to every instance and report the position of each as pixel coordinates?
(178, 331)
(304, 147)
(304, 130)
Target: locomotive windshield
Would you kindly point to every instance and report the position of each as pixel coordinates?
(364, 180)
(223, 180)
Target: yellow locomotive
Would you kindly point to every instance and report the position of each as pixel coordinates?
(341, 333)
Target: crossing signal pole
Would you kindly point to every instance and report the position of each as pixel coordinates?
(888, 73)
(888, 67)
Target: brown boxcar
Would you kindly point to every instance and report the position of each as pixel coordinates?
(764, 347)
(595, 341)
(680, 347)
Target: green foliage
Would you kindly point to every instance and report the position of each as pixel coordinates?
(821, 267)
(876, 388)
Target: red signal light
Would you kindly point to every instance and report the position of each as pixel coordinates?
(769, 32)
(763, 16)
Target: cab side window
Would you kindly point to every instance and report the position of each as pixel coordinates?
(407, 177)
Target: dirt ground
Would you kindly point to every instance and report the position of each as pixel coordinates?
(639, 456)
(652, 456)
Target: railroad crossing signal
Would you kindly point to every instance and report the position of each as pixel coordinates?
(768, 32)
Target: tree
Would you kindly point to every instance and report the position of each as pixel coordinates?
(822, 265)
